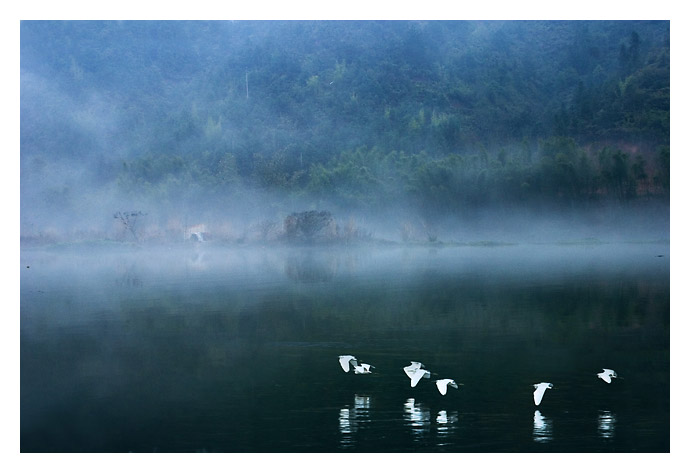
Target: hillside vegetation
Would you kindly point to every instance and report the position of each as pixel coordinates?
(438, 115)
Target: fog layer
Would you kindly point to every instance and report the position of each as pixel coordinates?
(430, 132)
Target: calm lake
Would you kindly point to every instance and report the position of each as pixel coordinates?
(204, 349)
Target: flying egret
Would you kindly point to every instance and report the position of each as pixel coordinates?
(414, 366)
(346, 361)
(442, 385)
(607, 374)
(417, 375)
(363, 368)
(539, 392)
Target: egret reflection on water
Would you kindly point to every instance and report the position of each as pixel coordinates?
(539, 391)
(443, 417)
(362, 403)
(423, 423)
(346, 426)
(352, 418)
(445, 424)
(301, 359)
(417, 417)
(607, 375)
(543, 428)
(606, 424)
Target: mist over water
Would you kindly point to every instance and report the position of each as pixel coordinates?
(213, 212)
(232, 350)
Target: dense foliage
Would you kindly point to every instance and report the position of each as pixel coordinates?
(440, 114)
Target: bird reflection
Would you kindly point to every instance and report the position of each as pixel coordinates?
(197, 261)
(346, 426)
(417, 417)
(543, 429)
(351, 419)
(445, 422)
(607, 424)
(362, 403)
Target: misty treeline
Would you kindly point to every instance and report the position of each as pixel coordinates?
(439, 115)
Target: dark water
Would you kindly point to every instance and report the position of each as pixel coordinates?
(218, 350)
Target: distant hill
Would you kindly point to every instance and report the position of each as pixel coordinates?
(440, 113)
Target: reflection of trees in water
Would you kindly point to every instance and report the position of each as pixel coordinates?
(128, 277)
(408, 298)
(273, 319)
(311, 267)
(353, 303)
(557, 311)
(452, 306)
(618, 303)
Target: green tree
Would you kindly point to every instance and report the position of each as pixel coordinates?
(616, 175)
(564, 171)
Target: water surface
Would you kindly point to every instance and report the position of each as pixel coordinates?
(236, 350)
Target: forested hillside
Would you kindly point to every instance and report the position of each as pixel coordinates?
(440, 115)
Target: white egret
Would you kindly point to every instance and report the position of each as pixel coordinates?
(346, 361)
(607, 374)
(442, 385)
(363, 368)
(539, 392)
(414, 366)
(417, 375)
(415, 371)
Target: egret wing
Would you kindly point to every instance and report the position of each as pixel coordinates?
(417, 375)
(442, 385)
(364, 368)
(607, 374)
(605, 377)
(345, 361)
(410, 370)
